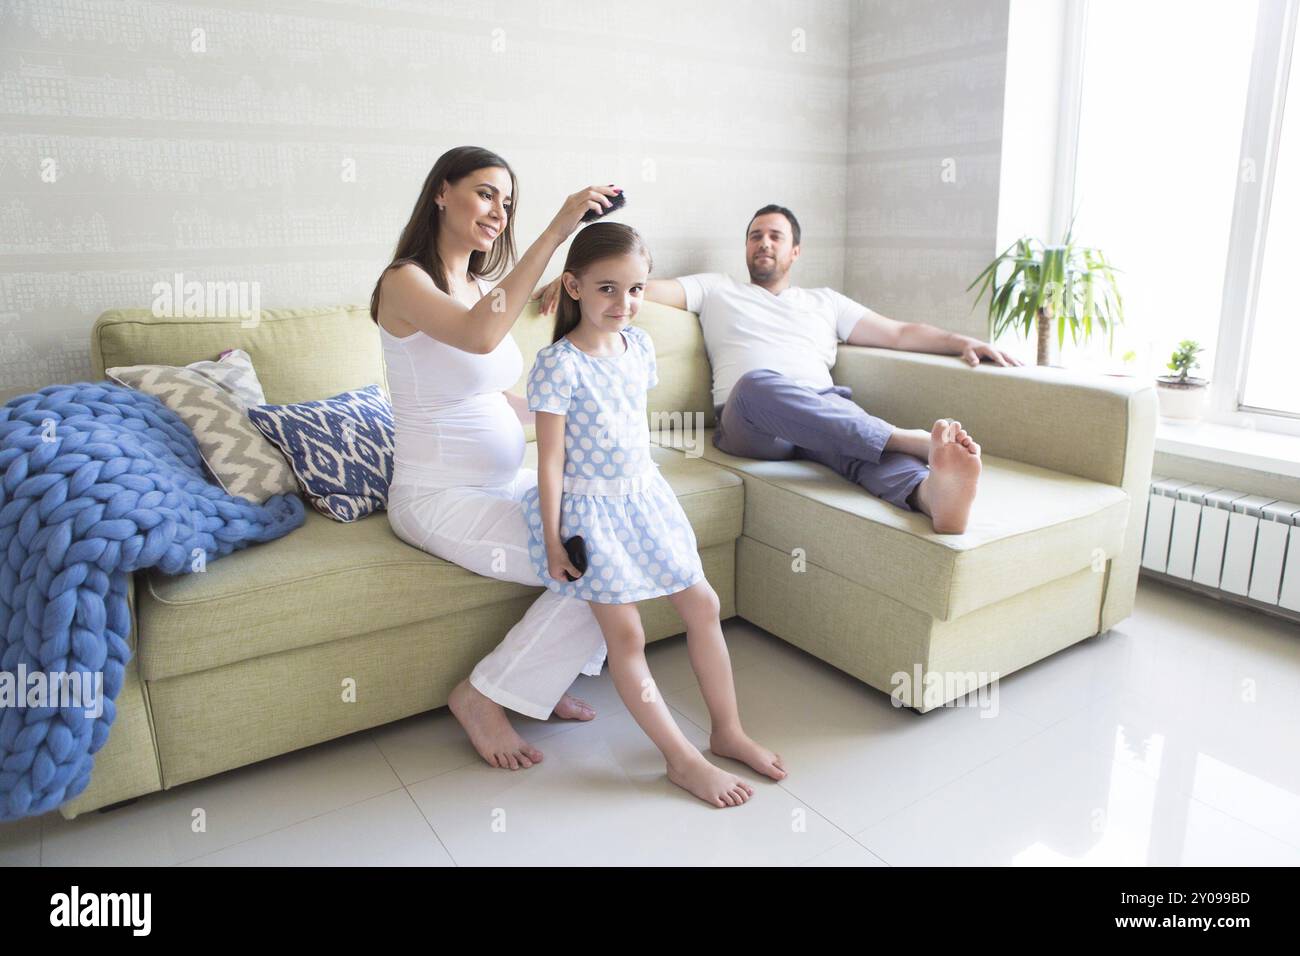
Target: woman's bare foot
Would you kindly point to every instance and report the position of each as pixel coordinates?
(573, 708)
(947, 492)
(489, 729)
(738, 746)
(711, 784)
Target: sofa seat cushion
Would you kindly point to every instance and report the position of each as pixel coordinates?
(328, 580)
(1028, 526)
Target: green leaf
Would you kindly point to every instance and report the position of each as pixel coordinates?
(1075, 283)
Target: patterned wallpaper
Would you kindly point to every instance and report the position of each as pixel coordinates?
(927, 79)
(279, 145)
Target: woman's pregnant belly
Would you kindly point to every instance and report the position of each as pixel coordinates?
(476, 442)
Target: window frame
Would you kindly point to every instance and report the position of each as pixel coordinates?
(1271, 63)
(1261, 136)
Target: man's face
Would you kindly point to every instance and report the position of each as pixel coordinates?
(769, 248)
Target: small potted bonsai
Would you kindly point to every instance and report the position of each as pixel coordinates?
(1181, 394)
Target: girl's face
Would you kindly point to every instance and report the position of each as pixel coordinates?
(477, 207)
(609, 291)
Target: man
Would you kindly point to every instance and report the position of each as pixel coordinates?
(772, 346)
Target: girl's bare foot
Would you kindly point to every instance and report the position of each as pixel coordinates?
(738, 746)
(711, 784)
(947, 492)
(489, 729)
(573, 708)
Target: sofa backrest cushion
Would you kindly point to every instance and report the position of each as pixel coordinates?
(300, 355)
(303, 355)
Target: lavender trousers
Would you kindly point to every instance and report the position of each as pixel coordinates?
(769, 416)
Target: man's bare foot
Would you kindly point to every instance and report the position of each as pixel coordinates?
(489, 729)
(738, 746)
(574, 708)
(946, 494)
(711, 784)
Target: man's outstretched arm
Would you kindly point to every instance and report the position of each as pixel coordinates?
(877, 331)
(666, 292)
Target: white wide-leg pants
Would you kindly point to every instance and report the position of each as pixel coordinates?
(483, 530)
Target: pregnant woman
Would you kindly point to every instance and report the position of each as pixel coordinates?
(457, 482)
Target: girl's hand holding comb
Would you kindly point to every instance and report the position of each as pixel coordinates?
(558, 563)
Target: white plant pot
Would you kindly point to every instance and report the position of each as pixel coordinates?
(1185, 402)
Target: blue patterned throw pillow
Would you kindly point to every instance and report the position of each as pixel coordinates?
(341, 449)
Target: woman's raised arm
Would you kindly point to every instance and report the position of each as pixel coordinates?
(411, 295)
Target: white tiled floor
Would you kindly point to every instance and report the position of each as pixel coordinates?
(1171, 740)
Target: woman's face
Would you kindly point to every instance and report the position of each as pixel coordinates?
(477, 208)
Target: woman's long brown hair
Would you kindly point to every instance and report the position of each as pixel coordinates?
(600, 240)
(418, 243)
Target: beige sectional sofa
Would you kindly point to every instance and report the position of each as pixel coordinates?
(250, 658)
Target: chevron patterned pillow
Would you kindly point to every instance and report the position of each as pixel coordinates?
(233, 371)
(238, 455)
(341, 449)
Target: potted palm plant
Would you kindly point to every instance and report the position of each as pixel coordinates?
(1069, 285)
(1182, 395)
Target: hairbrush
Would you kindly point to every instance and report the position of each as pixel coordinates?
(577, 551)
(618, 201)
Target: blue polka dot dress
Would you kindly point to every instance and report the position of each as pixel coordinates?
(639, 543)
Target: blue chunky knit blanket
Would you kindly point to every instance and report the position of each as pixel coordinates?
(96, 481)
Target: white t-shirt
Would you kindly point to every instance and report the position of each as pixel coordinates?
(746, 328)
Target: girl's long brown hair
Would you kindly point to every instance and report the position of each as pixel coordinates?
(600, 240)
(418, 243)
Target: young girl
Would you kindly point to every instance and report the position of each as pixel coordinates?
(596, 479)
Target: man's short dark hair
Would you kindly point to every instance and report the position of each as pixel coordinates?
(773, 207)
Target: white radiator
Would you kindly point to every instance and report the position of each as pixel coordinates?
(1242, 548)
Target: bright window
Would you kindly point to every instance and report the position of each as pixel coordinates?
(1271, 381)
(1164, 92)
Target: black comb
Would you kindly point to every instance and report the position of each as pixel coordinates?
(577, 551)
(618, 201)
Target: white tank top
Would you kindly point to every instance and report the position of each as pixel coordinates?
(452, 423)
